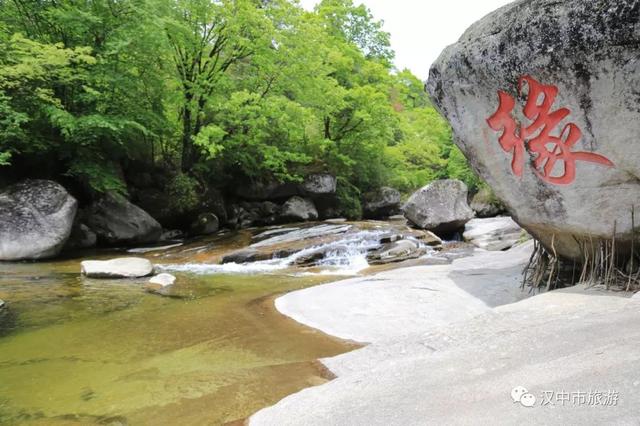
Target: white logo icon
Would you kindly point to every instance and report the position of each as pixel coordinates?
(521, 395)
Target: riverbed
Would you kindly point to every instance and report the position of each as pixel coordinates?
(75, 350)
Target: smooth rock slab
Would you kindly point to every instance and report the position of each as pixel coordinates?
(439, 358)
(125, 267)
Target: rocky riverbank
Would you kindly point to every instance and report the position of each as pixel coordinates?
(216, 329)
(449, 343)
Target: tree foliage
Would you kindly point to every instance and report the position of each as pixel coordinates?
(213, 91)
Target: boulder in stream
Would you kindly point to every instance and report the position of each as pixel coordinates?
(397, 251)
(440, 207)
(117, 221)
(36, 217)
(158, 284)
(124, 267)
(205, 224)
(542, 97)
(299, 209)
(382, 203)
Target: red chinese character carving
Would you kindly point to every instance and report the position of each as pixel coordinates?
(545, 149)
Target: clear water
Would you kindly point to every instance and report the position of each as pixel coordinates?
(81, 351)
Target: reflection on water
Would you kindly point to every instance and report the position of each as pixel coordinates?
(81, 351)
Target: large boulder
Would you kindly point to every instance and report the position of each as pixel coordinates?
(298, 209)
(36, 217)
(117, 221)
(382, 203)
(319, 184)
(542, 96)
(124, 267)
(440, 207)
(205, 224)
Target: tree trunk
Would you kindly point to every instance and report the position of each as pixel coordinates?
(186, 162)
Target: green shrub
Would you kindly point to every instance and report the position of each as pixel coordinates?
(348, 200)
(183, 192)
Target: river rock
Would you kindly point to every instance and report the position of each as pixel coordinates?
(82, 237)
(496, 233)
(319, 184)
(159, 283)
(246, 256)
(485, 204)
(171, 235)
(299, 209)
(440, 207)
(577, 60)
(124, 267)
(395, 252)
(117, 221)
(205, 224)
(426, 237)
(381, 203)
(36, 217)
(2, 304)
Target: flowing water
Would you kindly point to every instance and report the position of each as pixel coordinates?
(75, 350)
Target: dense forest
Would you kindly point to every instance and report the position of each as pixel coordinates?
(201, 95)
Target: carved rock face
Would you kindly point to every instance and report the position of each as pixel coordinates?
(544, 100)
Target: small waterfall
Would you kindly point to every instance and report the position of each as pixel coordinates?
(346, 255)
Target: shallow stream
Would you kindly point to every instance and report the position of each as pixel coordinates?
(75, 350)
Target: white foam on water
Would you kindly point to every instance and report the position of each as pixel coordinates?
(346, 256)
